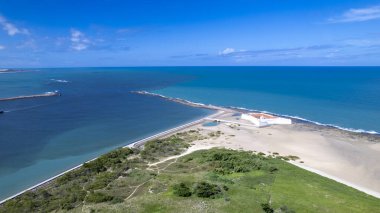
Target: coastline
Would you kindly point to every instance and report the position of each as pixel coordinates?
(245, 110)
(183, 101)
(219, 112)
(135, 144)
(5, 71)
(171, 131)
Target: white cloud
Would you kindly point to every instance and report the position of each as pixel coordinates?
(363, 42)
(325, 51)
(232, 52)
(227, 51)
(10, 28)
(2, 47)
(78, 40)
(358, 15)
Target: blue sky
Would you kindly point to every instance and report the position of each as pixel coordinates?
(68, 33)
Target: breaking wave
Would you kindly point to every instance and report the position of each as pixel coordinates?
(59, 80)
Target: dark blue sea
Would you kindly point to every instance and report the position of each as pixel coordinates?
(97, 112)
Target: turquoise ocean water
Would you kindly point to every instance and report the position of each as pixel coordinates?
(97, 112)
(345, 97)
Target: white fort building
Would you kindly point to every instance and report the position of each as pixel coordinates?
(262, 119)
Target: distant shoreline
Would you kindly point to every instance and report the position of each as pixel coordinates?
(244, 110)
(12, 71)
(46, 94)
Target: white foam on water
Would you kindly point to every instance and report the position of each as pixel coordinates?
(60, 80)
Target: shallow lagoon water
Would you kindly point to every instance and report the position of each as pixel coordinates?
(209, 124)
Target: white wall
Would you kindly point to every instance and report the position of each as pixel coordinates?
(257, 122)
(279, 121)
(265, 121)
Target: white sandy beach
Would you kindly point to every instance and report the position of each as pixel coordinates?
(346, 158)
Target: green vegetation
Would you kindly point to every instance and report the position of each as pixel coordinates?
(228, 161)
(202, 189)
(208, 190)
(174, 145)
(182, 190)
(215, 180)
(267, 208)
(97, 197)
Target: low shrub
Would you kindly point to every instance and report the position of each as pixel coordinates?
(163, 147)
(293, 157)
(97, 197)
(272, 169)
(267, 208)
(102, 180)
(117, 200)
(182, 190)
(207, 190)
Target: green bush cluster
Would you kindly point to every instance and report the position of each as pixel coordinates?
(293, 157)
(207, 190)
(267, 208)
(98, 197)
(182, 190)
(45, 201)
(110, 160)
(226, 161)
(155, 149)
(215, 134)
(288, 158)
(102, 180)
(201, 189)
